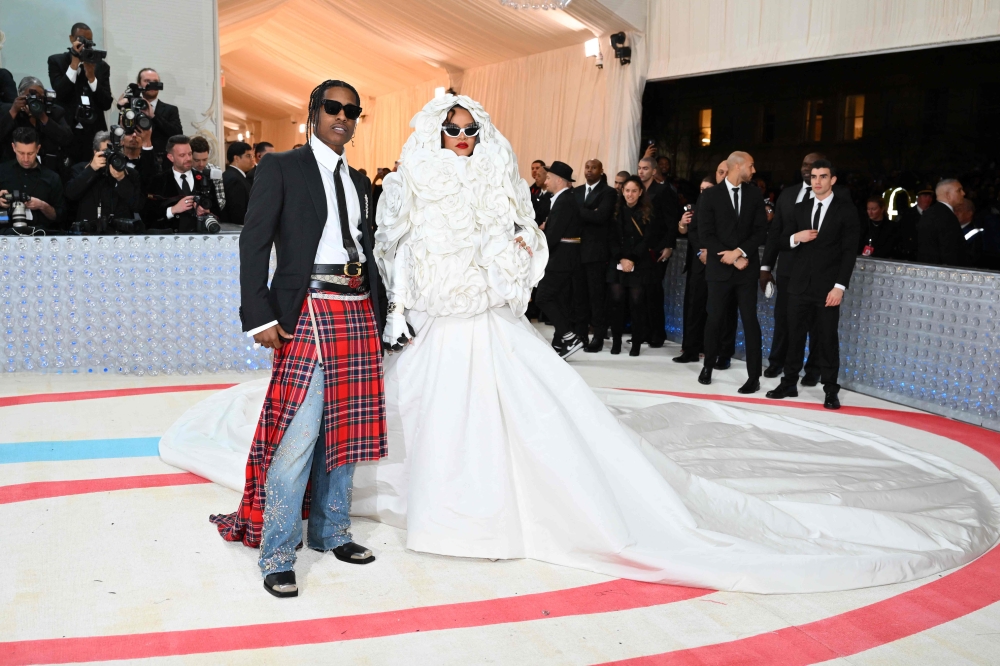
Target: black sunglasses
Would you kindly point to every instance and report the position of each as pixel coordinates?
(333, 107)
(454, 130)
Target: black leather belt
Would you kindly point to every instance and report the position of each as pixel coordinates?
(350, 269)
(349, 278)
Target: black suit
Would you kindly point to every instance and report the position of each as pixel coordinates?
(162, 194)
(8, 89)
(55, 135)
(68, 96)
(696, 302)
(667, 211)
(97, 190)
(596, 212)
(817, 266)
(940, 241)
(540, 201)
(564, 260)
(237, 195)
(166, 123)
(721, 229)
(288, 209)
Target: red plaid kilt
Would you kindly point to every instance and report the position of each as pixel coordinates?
(354, 428)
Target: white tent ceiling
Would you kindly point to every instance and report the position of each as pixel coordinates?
(274, 51)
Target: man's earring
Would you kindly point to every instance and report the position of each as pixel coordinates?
(352, 141)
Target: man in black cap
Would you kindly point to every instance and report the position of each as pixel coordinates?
(562, 231)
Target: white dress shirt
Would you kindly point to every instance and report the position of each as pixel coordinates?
(555, 195)
(331, 243)
(825, 203)
(72, 75)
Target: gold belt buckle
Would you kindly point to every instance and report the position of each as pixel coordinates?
(350, 266)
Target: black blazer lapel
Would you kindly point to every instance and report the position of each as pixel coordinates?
(314, 183)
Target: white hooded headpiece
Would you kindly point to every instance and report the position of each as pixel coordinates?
(447, 224)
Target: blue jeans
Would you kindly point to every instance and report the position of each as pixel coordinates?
(293, 463)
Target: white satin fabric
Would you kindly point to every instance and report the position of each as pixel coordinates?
(499, 449)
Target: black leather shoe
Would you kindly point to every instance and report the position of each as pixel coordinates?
(832, 401)
(634, 351)
(657, 344)
(616, 346)
(706, 376)
(723, 363)
(353, 553)
(773, 371)
(281, 584)
(686, 358)
(783, 390)
(596, 345)
(810, 380)
(752, 386)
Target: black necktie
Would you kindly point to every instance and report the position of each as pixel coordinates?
(345, 227)
(736, 199)
(819, 209)
(185, 188)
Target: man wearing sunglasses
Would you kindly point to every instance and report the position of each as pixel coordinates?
(321, 314)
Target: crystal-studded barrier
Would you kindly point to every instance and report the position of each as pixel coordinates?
(923, 336)
(125, 304)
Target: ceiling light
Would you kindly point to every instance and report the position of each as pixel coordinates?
(239, 137)
(592, 47)
(302, 128)
(535, 4)
(439, 91)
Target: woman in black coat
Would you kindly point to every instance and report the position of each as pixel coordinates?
(632, 268)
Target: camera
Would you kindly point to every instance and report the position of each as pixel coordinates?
(85, 112)
(39, 104)
(133, 118)
(113, 154)
(202, 195)
(17, 209)
(88, 53)
(622, 52)
(688, 208)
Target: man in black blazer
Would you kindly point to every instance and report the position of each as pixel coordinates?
(75, 81)
(321, 313)
(732, 225)
(239, 159)
(50, 125)
(170, 200)
(596, 200)
(166, 118)
(563, 230)
(8, 89)
(822, 236)
(777, 263)
(940, 241)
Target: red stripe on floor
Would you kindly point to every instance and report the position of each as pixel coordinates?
(24, 492)
(33, 398)
(617, 595)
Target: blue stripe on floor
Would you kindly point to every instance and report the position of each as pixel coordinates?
(80, 449)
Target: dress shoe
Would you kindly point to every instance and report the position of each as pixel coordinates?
(723, 363)
(783, 390)
(634, 351)
(752, 386)
(832, 401)
(616, 346)
(657, 344)
(353, 553)
(686, 358)
(706, 376)
(810, 380)
(773, 371)
(596, 345)
(281, 584)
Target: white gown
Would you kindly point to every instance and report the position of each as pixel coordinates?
(499, 449)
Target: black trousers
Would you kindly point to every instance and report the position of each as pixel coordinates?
(696, 316)
(554, 297)
(654, 298)
(811, 317)
(779, 343)
(578, 297)
(596, 273)
(719, 295)
(634, 296)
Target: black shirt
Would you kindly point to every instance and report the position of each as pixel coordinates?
(884, 237)
(101, 196)
(41, 183)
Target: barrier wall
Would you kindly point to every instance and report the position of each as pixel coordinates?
(923, 336)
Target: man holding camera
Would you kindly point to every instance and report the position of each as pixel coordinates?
(200, 151)
(239, 157)
(81, 78)
(166, 119)
(27, 188)
(108, 189)
(34, 109)
(176, 196)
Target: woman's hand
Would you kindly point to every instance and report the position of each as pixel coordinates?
(627, 265)
(524, 246)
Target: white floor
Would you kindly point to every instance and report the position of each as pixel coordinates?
(79, 563)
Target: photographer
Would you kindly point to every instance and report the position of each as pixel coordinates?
(199, 154)
(34, 109)
(166, 118)
(174, 196)
(138, 148)
(39, 186)
(82, 81)
(104, 193)
(239, 156)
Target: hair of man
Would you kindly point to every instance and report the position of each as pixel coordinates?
(177, 140)
(316, 101)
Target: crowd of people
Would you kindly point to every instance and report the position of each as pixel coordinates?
(64, 170)
(609, 248)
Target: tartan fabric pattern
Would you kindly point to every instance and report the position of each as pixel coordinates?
(354, 427)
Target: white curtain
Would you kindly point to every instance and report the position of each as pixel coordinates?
(718, 35)
(625, 84)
